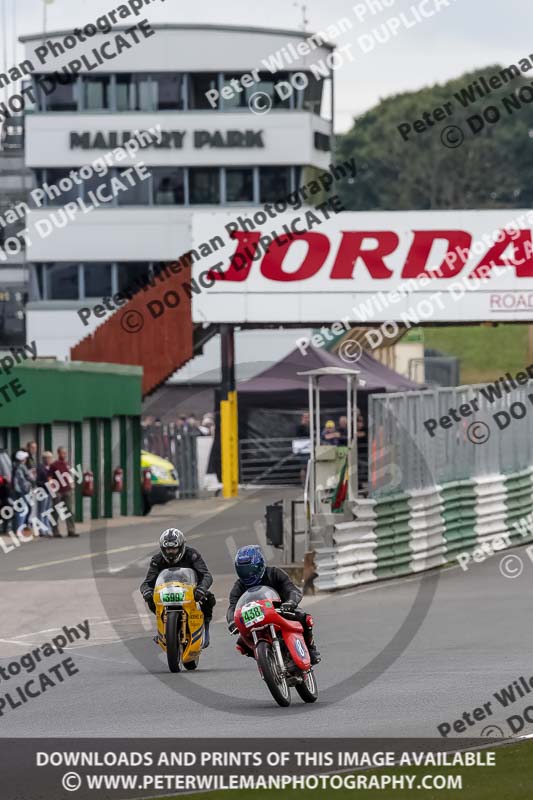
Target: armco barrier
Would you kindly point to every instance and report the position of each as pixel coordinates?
(403, 534)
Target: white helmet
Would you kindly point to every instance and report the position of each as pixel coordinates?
(172, 545)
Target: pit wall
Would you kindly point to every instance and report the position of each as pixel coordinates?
(407, 533)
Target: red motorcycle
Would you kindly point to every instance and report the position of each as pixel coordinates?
(278, 645)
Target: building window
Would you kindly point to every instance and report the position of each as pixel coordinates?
(204, 185)
(143, 93)
(136, 195)
(133, 275)
(64, 97)
(168, 186)
(135, 92)
(274, 183)
(62, 281)
(100, 186)
(266, 85)
(239, 99)
(97, 279)
(239, 185)
(96, 92)
(122, 91)
(168, 91)
(199, 84)
(53, 178)
(310, 98)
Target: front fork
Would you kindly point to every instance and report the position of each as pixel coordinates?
(277, 648)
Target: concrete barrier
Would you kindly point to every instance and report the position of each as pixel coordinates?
(406, 533)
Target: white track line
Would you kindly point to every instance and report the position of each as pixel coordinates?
(85, 556)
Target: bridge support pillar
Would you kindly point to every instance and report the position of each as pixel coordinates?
(229, 430)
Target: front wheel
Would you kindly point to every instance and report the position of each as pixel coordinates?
(277, 684)
(172, 626)
(308, 690)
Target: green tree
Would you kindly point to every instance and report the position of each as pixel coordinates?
(490, 169)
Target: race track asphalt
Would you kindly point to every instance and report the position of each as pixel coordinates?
(399, 658)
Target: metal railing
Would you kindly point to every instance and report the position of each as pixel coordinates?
(270, 461)
(403, 455)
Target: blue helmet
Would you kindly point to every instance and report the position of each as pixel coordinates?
(250, 565)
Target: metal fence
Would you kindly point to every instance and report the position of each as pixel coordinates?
(270, 461)
(403, 455)
(170, 442)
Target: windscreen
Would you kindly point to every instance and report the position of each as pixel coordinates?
(178, 575)
(258, 593)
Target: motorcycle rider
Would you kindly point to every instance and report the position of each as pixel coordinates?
(252, 570)
(174, 552)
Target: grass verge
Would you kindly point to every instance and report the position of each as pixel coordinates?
(510, 779)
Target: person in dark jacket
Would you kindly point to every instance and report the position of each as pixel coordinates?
(44, 505)
(22, 488)
(252, 570)
(173, 552)
(6, 471)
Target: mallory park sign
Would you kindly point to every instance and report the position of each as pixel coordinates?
(170, 140)
(431, 266)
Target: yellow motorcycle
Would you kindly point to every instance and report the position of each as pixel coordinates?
(180, 620)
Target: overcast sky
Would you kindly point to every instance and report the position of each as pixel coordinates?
(463, 36)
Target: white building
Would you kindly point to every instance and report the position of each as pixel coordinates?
(209, 158)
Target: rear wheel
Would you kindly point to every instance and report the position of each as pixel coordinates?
(191, 664)
(277, 684)
(308, 690)
(172, 626)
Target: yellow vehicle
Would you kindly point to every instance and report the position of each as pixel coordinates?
(165, 482)
(180, 620)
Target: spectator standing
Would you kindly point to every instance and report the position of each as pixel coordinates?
(330, 434)
(61, 470)
(343, 431)
(6, 472)
(43, 474)
(208, 425)
(22, 485)
(192, 426)
(31, 449)
(302, 431)
(31, 463)
(362, 450)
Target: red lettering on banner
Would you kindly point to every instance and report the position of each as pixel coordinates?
(318, 246)
(242, 259)
(456, 255)
(351, 248)
(382, 244)
(522, 260)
